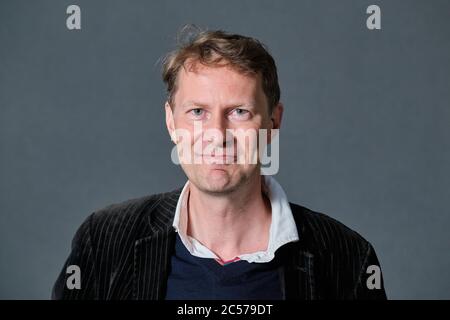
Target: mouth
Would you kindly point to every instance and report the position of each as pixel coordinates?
(216, 159)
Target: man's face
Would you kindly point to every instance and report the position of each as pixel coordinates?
(208, 101)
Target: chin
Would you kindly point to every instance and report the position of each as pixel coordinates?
(219, 179)
(218, 186)
(215, 184)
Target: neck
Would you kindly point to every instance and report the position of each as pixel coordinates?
(239, 222)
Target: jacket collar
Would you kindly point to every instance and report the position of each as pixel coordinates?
(152, 256)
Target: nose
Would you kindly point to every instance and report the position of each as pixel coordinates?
(216, 130)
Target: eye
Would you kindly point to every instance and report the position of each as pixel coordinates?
(240, 113)
(197, 112)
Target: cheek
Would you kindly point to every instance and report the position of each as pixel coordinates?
(184, 127)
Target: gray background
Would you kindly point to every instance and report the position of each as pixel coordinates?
(365, 136)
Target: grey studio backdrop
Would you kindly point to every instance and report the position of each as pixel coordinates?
(365, 136)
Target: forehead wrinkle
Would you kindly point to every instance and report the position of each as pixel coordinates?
(214, 79)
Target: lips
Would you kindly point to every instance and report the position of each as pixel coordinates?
(218, 159)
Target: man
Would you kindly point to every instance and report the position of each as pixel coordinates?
(230, 232)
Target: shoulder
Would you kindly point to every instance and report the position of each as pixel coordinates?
(323, 233)
(131, 218)
(126, 211)
(342, 255)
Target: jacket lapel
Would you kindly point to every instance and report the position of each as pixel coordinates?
(298, 275)
(298, 270)
(152, 253)
(151, 262)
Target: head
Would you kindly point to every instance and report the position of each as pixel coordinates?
(221, 88)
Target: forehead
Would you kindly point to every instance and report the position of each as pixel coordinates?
(217, 83)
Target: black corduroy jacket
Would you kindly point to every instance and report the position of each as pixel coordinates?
(124, 251)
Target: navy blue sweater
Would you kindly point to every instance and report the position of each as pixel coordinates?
(191, 277)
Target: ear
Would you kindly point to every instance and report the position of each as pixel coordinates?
(276, 117)
(170, 122)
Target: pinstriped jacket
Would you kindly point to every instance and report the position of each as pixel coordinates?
(124, 250)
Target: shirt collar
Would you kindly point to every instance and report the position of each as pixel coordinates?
(282, 229)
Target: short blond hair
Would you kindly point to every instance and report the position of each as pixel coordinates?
(218, 48)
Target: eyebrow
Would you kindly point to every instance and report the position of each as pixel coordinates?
(191, 103)
(194, 103)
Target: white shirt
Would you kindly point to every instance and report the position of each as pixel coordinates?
(282, 229)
